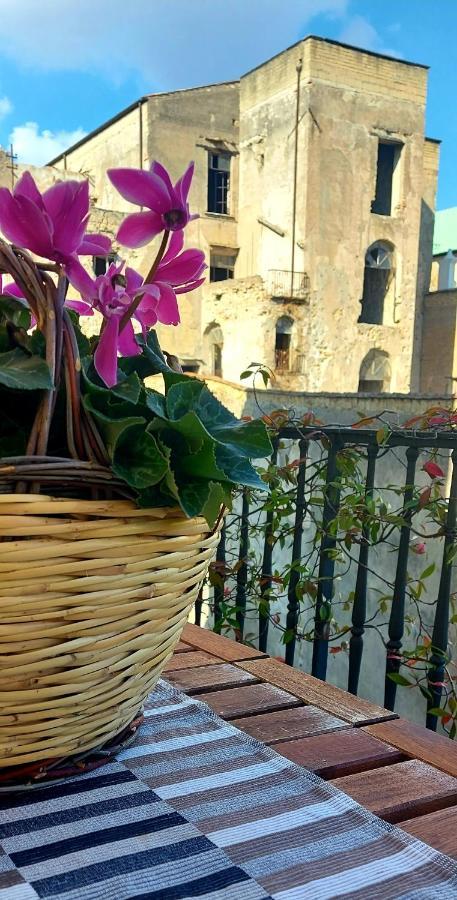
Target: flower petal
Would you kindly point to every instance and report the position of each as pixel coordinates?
(182, 186)
(80, 279)
(186, 267)
(83, 309)
(126, 343)
(67, 203)
(24, 224)
(105, 356)
(174, 247)
(190, 286)
(167, 308)
(13, 290)
(26, 187)
(141, 187)
(133, 280)
(95, 245)
(160, 170)
(139, 228)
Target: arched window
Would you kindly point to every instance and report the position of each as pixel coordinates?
(378, 275)
(375, 373)
(214, 343)
(284, 328)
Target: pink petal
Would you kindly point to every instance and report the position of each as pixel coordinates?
(13, 291)
(158, 169)
(24, 224)
(67, 203)
(83, 309)
(26, 187)
(140, 187)
(186, 267)
(80, 279)
(182, 186)
(167, 309)
(133, 280)
(190, 286)
(174, 247)
(105, 356)
(94, 245)
(126, 343)
(139, 228)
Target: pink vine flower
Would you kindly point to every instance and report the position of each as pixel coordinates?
(433, 469)
(167, 206)
(53, 224)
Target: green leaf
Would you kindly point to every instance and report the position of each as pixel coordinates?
(428, 571)
(14, 311)
(138, 460)
(19, 371)
(156, 403)
(111, 427)
(238, 469)
(128, 389)
(183, 397)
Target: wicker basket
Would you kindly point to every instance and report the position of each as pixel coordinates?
(93, 597)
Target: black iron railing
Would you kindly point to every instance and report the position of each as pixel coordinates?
(334, 440)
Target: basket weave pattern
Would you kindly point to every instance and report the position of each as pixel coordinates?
(94, 595)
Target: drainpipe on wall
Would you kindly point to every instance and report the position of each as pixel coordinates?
(140, 135)
(294, 193)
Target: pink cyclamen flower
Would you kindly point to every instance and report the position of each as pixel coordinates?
(419, 548)
(433, 469)
(177, 273)
(10, 290)
(53, 224)
(167, 206)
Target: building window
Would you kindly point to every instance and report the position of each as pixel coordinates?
(375, 373)
(387, 170)
(214, 343)
(377, 279)
(101, 264)
(283, 340)
(218, 182)
(221, 265)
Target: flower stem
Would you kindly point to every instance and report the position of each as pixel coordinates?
(149, 277)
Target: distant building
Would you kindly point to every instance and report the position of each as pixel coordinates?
(316, 192)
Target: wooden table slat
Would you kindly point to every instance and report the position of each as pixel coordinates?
(414, 740)
(339, 753)
(207, 678)
(401, 791)
(288, 724)
(190, 660)
(229, 651)
(311, 690)
(248, 700)
(438, 829)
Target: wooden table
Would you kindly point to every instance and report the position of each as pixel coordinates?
(402, 772)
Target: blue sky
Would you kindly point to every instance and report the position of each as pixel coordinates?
(68, 65)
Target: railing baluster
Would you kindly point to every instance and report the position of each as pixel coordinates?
(326, 564)
(440, 632)
(293, 604)
(264, 612)
(219, 587)
(198, 607)
(397, 613)
(242, 572)
(359, 608)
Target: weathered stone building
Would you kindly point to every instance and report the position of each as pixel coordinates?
(316, 188)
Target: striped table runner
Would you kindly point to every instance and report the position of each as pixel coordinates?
(195, 808)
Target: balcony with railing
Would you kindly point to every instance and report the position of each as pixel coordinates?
(287, 285)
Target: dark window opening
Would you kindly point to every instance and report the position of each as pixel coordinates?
(101, 264)
(190, 367)
(218, 183)
(388, 157)
(376, 280)
(375, 373)
(217, 360)
(221, 266)
(283, 342)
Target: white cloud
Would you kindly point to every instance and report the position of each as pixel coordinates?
(37, 147)
(170, 43)
(361, 33)
(5, 107)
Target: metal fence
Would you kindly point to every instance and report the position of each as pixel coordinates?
(287, 285)
(335, 439)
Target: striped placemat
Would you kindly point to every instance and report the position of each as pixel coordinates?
(196, 808)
